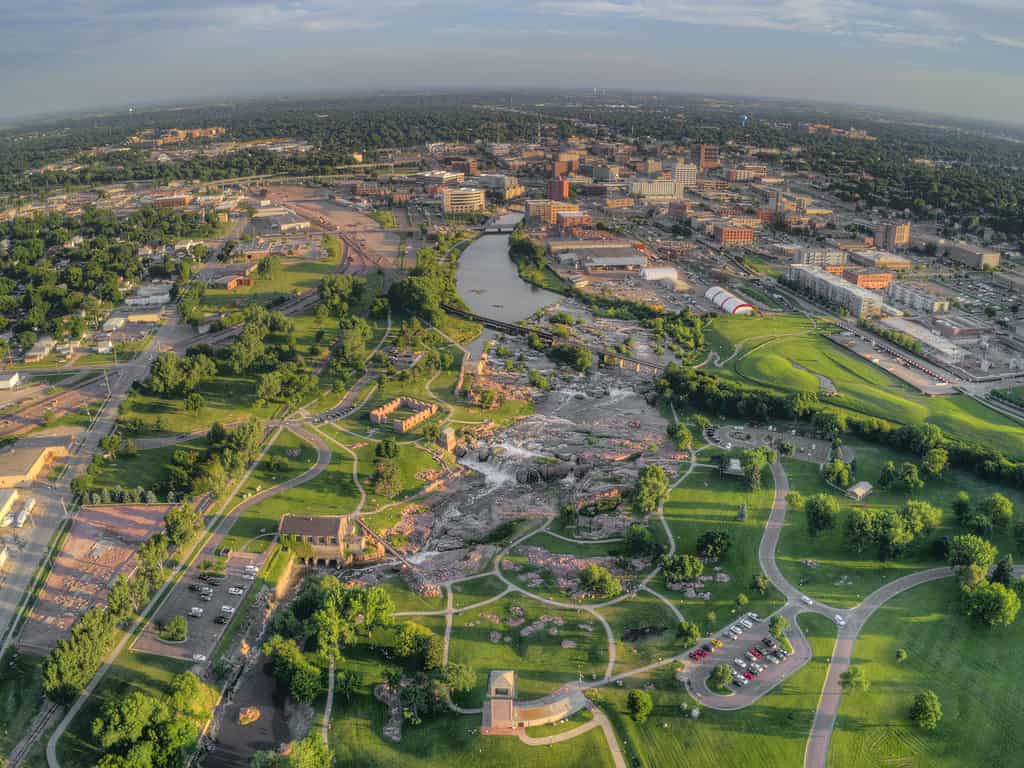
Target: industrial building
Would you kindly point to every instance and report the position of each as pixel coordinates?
(859, 301)
(728, 302)
(933, 346)
(627, 263)
(25, 460)
(659, 273)
(972, 256)
(463, 200)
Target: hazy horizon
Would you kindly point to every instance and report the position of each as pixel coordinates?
(954, 57)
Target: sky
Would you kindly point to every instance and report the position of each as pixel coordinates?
(959, 57)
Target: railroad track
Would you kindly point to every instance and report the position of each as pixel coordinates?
(23, 747)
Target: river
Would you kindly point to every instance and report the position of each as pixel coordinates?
(488, 282)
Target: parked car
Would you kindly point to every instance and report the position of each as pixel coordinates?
(749, 675)
(198, 657)
(235, 591)
(740, 663)
(750, 656)
(196, 611)
(747, 623)
(708, 648)
(717, 643)
(221, 619)
(754, 617)
(227, 609)
(205, 597)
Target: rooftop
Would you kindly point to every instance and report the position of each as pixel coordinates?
(307, 525)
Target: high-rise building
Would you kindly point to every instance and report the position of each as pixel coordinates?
(891, 235)
(728, 235)
(708, 156)
(558, 189)
(685, 174)
(463, 200)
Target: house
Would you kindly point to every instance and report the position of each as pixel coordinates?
(329, 540)
(40, 349)
(859, 491)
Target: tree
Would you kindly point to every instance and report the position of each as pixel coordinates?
(889, 476)
(927, 710)
(854, 679)
(935, 461)
(194, 403)
(962, 507)
(902, 655)
(311, 752)
(176, 629)
(822, 511)
(742, 601)
(459, 678)
(720, 677)
(599, 581)
(651, 489)
(998, 509)
(639, 540)
(1003, 572)
(778, 625)
(968, 549)
(679, 568)
(759, 583)
(991, 603)
(688, 633)
(713, 544)
(681, 435)
(837, 472)
(909, 476)
(639, 704)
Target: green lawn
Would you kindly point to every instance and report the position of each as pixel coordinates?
(843, 577)
(21, 695)
(971, 669)
(385, 218)
(645, 631)
(295, 455)
(227, 398)
(295, 276)
(131, 671)
(766, 345)
(771, 733)
(467, 593)
(147, 469)
(407, 600)
(80, 417)
(706, 501)
(541, 664)
(332, 492)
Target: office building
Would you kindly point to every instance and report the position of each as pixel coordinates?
(664, 189)
(685, 174)
(868, 277)
(558, 189)
(824, 285)
(819, 257)
(569, 220)
(547, 210)
(881, 260)
(463, 200)
(891, 235)
(729, 235)
(708, 156)
(916, 298)
(501, 186)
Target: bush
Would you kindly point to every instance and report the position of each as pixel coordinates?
(175, 630)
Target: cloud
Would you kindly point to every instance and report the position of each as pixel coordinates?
(1006, 42)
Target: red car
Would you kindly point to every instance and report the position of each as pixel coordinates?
(694, 656)
(748, 675)
(757, 653)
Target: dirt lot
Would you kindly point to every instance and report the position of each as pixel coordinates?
(99, 546)
(32, 416)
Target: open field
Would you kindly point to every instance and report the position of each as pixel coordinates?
(843, 577)
(540, 661)
(290, 453)
(146, 469)
(706, 501)
(772, 732)
(227, 398)
(766, 345)
(295, 276)
(970, 668)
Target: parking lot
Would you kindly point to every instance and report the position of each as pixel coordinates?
(762, 672)
(202, 602)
